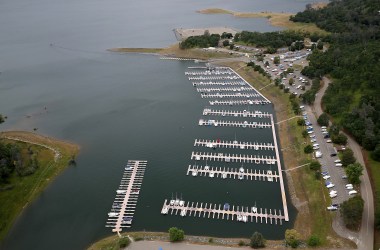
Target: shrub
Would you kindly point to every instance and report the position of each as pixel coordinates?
(292, 238)
(308, 149)
(124, 242)
(257, 240)
(176, 234)
(314, 241)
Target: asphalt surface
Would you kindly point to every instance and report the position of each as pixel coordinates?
(365, 237)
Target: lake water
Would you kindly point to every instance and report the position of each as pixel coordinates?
(117, 107)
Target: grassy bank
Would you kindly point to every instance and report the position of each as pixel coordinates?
(374, 168)
(274, 18)
(308, 194)
(20, 191)
(175, 51)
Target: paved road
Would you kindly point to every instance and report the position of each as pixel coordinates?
(365, 237)
(157, 245)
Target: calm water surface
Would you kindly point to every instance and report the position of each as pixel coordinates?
(118, 107)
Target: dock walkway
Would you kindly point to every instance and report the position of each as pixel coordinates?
(232, 158)
(230, 95)
(124, 206)
(233, 173)
(233, 144)
(217, 211)
(239, 102)
(244, 124)
(244, 113)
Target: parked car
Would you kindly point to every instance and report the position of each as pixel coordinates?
(332, 208)
(326, 177)
(333, 195)
(330, 185)
(352, 192)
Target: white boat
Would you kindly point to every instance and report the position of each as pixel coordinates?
(172, 202)
(224, 175)
(200, 122)
(183, 212)
(197, 158)
(119, 191)
(165, 210)
(211, 174)
(241, 176)
(176, 202)
(181, 203)
(242, 147)
(239, 217)
(194, 173)
(207, 167)
(227, 159)
(245, 218)
(241, 170)
(254, 209)
(112, 214)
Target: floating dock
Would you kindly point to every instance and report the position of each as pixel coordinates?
(228, 89)
(232, 173)
(124, 206)
(244, 113)
(238, 102)
(244, 124)
(206, 156)
(230, 95)
(233, 144)
(224, 83)
(218, 211)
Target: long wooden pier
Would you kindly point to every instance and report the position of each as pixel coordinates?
(218, 211)
(230, 95)
(233, 144)
(244, 124)
(124, 206)
(232, 173)
(217, 83)
(233, 158)
(244, 113)
(226, 89)
(238, 102)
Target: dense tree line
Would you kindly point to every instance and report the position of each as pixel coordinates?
(12, 160)
(353, 61)
(270, 40)
(204, 41)
(344, 16)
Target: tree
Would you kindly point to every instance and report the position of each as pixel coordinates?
(308, 149)
(226, 43)
(376, 153)
(291, 81)
(266, 63)
(352, 211)
(320, 45)
(277, 81)
(276, 60)
(292, 238)
(304, 133)
(339, 139)
(176, 234)
(124, 242)
(315, 165)
(323, 120)
(301, 122)
(348, 157)
(231, 46)
(313, 241)
(353, 172)
(257, 240)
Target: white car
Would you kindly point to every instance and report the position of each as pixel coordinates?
(311, 136)
(349, 184)
(330, 185)
(349, 187)
(318, 154)
(332, 208)
(333, 195)
(328, 140)
(310, 132)
(352, 192)
(323, 127)
(338, 165)
(313, 140)
(316, 147)
(337, 161)
(326, 177)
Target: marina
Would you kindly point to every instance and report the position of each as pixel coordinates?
(226, 157)
(124, 206)
(224, 83)
(232, 173)
(233, 89)
(233, 144)
(244, 124)
(224, 212)
(244, 113)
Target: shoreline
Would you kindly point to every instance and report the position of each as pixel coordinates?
(54, 156)
(277, 19)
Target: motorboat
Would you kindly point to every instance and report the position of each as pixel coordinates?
(120, 191)
(194, 173)
(254, 209)
(172, 202)
(183, 212)
(165, 210)
(241, 170)
(227, 159)
(241, 176)
(211, 174)
(113, 214)
(197, 158)
(224, 175)
(207, 167)
(226, 206)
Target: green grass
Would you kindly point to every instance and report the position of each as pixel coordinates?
(25, 189)
(374, 167)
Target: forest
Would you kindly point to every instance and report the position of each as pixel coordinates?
(353, 62)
